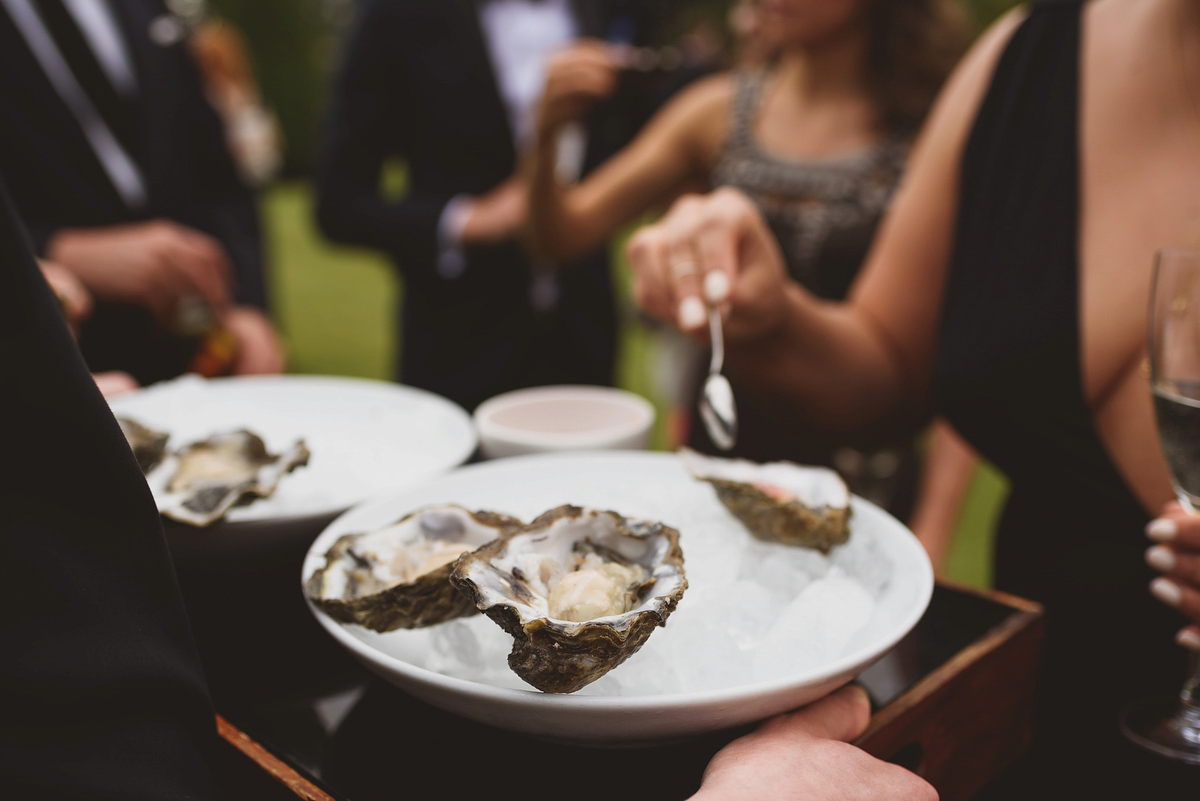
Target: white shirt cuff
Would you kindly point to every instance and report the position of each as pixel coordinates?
(452, 262)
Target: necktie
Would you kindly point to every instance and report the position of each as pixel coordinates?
(121, 114)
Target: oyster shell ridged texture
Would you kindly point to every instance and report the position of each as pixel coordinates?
(225, 470)
(579, 590)
(398, 577)
(148, 446)
(779, 501)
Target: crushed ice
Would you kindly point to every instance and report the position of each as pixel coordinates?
(753, 611)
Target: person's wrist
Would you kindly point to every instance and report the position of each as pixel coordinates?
(547, 137)
(58, 245)
(452, 235)
(452, 227)
(768, 332)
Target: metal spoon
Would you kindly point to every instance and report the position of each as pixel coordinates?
(717, 409)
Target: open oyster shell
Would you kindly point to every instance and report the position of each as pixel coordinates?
(579, 590)
(779, 501)
(148, 446)
(214, 475)
(398, 576)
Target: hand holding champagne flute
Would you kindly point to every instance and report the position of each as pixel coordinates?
(1172, 728)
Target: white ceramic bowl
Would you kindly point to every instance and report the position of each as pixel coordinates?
(366, 438)
(563, 418)
(652, 485)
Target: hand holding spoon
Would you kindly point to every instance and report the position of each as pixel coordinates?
(717, 408)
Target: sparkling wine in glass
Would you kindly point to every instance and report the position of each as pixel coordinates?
(1171, 727)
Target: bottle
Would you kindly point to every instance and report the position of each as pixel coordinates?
(216, 348)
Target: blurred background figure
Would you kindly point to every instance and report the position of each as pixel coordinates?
(752, 45)
(251, 129)
(452, 88)
(119, 166)
(815, 129)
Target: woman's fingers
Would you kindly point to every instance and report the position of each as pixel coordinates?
(1178, 595)
(1189, 637)
(1175, 527)
(647, 255)
(1176, 563)
(683, 265)
(1177, 556)
(711, 250)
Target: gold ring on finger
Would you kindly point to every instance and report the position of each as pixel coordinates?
(683, 269)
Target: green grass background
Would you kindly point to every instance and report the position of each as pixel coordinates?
(336, 308)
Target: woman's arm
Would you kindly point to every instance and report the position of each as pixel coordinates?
(846, 365)
(678, 144)
(945, 479)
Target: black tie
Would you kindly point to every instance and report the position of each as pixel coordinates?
(121, 114)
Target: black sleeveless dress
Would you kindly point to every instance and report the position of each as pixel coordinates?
(824, 214)
(1009, 378)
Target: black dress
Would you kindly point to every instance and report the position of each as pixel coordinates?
(1009, 378)
(824, 214)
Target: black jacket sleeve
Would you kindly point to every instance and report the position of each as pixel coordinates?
(369, 120)
(101, 691)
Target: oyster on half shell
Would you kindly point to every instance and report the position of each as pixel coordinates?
(399, 576)
(779, 501)
(579, 590)
(214, 475)
(148, 446)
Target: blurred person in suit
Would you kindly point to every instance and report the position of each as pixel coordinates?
(119, 166)
(252, 130)
(452, 89)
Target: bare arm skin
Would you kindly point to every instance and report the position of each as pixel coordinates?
(846, 365)
(945, 479)
(679, 144)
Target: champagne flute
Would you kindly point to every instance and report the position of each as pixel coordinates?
(1171, 727)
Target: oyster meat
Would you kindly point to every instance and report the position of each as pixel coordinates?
(225, 470)
(779, 501)
(579, 590)
(148, 446)
(399, 576)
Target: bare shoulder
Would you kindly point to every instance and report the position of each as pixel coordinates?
(945, 131)
(710, 94)
(969, 82)
(699, 114)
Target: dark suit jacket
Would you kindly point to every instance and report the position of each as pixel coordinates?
(100, 686)
(57, 181)
(416, 83)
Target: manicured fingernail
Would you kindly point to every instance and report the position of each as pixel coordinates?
(1162, 530)
(691, 312)
(1166, 591)
(1188, 639)
(1160, 558)
(716, 286)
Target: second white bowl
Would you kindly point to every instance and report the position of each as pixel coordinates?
(563, 418)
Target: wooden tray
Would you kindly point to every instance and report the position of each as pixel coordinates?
(953, 703)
